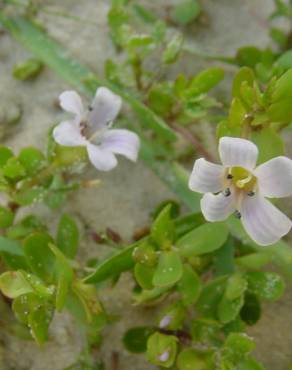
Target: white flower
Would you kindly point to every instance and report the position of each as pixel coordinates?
(243, 188)
(91, 128)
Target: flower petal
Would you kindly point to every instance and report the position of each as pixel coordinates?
(102, 159)
(264, 223)
(206, 177)
(122, 142)
(238, 152)
(104, 109)
(217, 207)
(71, 102)
(275, 177)
(68, 133)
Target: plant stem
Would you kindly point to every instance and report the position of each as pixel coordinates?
(193, 139)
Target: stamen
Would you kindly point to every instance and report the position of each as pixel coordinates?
(243, 182)
(251, 193)
(90, 108)
(226, 192)
(229, 176)
(237, 214)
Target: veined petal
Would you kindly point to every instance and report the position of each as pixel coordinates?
(264, 223)
(206, 177)
(238, 152)
(122, 142)
(68, 133)
(275, 177)
(104, 109)
(217, 207)
(102, 159)
(71, 102)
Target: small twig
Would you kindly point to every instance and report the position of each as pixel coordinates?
(193, 139)
(115, 361)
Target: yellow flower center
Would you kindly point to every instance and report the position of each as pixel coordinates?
(242, 179)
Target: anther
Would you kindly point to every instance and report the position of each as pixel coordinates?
(251, 193)
(229, 176)
(226, 192)
(237, 214)
(90, 108)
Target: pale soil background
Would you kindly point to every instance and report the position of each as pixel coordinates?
(130, 192)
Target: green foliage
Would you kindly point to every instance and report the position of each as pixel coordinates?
(28, 69)
(186, 12)
(267, 285)
(67, 236)
(135, 339)
(204, 239)
(169, 269)
(210, 269)
(161, 349)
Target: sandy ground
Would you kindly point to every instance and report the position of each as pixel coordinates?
(130, 192)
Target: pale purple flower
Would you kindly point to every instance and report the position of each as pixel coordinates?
(242, 188)
(92, 128)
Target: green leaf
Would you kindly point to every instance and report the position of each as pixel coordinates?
(283, 87)
(206, 80)
(135, 339)
(28, 69)
(237, 113)
(248, 56)
(251, 310)
(161, 99)
(190, 359)
(204, 239)
(161, 349)
(224, 262)
(173, 49)
(285, 60)
(32, 195)
(266, 285)
(186, 12)
(250, 364)
(210, 297)
(32, 160)
(10, 246)
(270, 144)
(5, 154)
(163, 229)
(13, 284)
(169, 269)
(189, 286)
(64, 273)
(147, 296)
(39, 256)
(68, 236)
(237, 346)
(6, 217)
(144, 275)
(145, 254)
(236, 286)
(34, 312)
(113, 266)
(280, 38)
(13, 169)
(39, 320)
(244, 74)
(229, 309)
